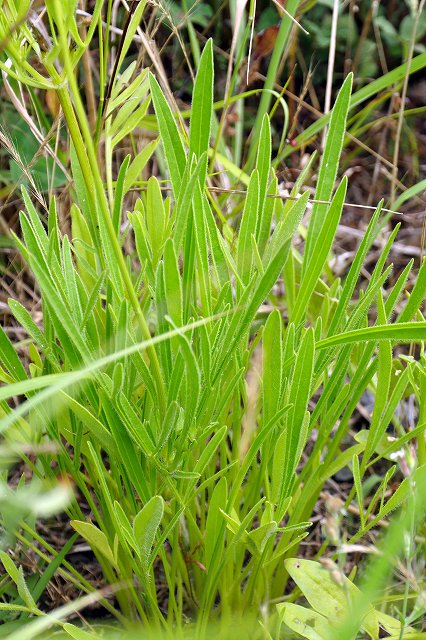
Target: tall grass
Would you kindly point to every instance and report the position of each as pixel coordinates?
(182, 381)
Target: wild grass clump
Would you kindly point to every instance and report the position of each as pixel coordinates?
(194, 379)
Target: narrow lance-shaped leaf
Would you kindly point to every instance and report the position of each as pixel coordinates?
(417, 296)
(248, 224)
(170, 136)
(384, 373)
(299, 395)
(155, 218)
(214, 529)
(272, 365)
(202, 107)
(328, 168)
(263, 166)
(145, 527)
(323, 245)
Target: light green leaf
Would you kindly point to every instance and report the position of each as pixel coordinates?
(202, 105)
(138, 164)
(170, 136)
(307, 623)
(77, 633)
(145, 526)
(214, 530)
(326, 596)
(95, 537)
(328, 169)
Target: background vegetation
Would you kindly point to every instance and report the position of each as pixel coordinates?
(213, 394)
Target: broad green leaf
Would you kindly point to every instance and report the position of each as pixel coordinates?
(9, 566)
(202, 254)
(307, 623)
(169, 423)
(269, 208)
(125, 528)
(286, 228)
(95, 537)
(145, 526)
(94, 426)
(326, 596)
(393, 626)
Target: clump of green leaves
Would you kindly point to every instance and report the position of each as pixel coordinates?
(179, 397)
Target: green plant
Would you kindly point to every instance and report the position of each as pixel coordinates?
(179, 385)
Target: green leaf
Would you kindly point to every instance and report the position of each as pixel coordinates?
(272, 365)
(300, 392)
(210, 450)
(173, 284)
(95, 537)
(170, 136)
(384, 373)
(260, 536)
(401, 332)
(131, 30)
(24, 591)
(303, 621)
(183, 205)
(417, 296)
(9, 358)
(202, 106)
(326, 596)
(77, 633)
(145, 526)
(129, 124)
(119, 195)
(263, 166)
(215, 533)
(155, 219)
(138, 164)
(248, 225)
(328, 169)
(321, 248)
